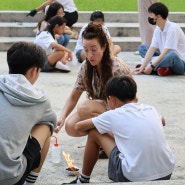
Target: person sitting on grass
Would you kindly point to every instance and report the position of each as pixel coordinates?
(138, 151)
(27, 120)
(168, 43)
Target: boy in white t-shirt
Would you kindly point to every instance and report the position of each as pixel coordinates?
(132, 136)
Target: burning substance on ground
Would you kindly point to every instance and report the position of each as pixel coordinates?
(71, 169)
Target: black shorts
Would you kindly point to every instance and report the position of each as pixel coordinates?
(33, 156)
(71, 18)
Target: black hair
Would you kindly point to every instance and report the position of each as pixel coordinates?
(97, 15)
(124, 88)
(22, 56)
(56, 20)
(159, 9)
(51, 12)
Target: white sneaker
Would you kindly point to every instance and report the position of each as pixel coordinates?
(62, 67)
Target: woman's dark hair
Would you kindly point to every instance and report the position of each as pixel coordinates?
(93, 31)
(56, 20)
(124, 88)
(22, 56)
(51, 12)
(97, 15)
(159, 9)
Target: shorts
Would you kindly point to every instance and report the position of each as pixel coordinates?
(115, 167)
(33, 156)
(46, 67)
(78, 55)
(71, 18)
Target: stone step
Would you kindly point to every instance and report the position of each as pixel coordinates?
(25, 29)
(123, 27)
(126, 43)
(20, 16)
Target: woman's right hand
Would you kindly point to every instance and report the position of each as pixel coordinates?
(60, 124)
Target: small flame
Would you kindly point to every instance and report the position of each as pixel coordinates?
(70, 162)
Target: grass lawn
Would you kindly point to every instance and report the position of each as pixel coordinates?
(91, 5)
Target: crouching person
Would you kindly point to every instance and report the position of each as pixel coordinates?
(136, 148)
(27, 120)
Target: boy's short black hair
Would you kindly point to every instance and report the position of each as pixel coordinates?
(159, 9)
(124, 88)
(97, 15)
(21, 56)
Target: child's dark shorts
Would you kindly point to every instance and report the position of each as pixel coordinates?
(33, 156)
(46, 67)
(115, 167)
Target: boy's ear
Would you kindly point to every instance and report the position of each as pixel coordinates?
(33, 71)
(112, 99)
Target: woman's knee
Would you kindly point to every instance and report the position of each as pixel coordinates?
(89, 108)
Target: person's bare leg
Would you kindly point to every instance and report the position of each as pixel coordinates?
(43, 134)
(116, 50)
(55, 57)
(85, 110)
(65, 57)
(94, 141)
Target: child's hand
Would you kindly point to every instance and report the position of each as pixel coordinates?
(70, 56)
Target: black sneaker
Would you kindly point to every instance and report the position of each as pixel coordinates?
(73, 182)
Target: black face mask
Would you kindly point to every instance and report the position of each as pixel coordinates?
(151, 21)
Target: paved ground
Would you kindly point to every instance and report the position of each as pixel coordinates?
(167, 94)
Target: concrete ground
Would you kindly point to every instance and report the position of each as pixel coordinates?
(167, 94)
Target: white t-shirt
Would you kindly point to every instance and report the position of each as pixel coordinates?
(69, 5)
(44, 39)
(79, 44)
(172, 37)
(139, 136)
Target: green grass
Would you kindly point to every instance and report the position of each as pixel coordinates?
(91, 5)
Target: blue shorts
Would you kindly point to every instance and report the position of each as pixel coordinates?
(33, 156)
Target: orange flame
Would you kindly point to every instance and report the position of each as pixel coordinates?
(70, 162)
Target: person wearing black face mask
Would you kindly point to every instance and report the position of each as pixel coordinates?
(168, 44)
(151, 21)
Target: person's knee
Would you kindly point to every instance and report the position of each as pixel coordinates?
(41, 132)
(83, 108)
(93, 134)
(143, 50)
(172, 56)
